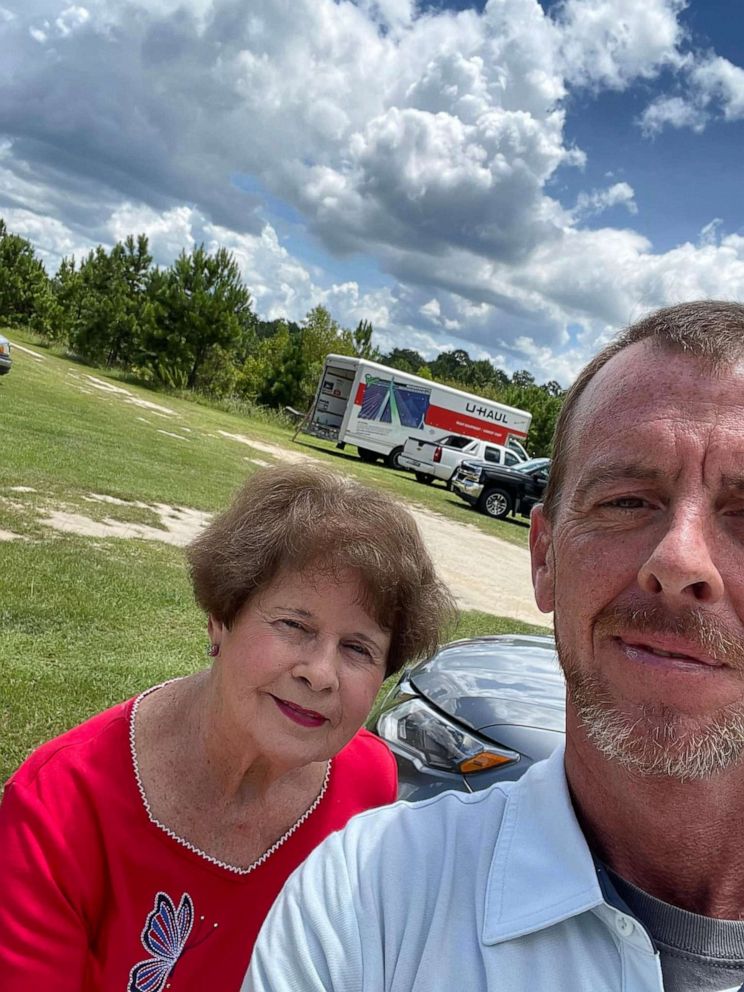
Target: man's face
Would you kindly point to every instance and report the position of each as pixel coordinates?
(644, 564)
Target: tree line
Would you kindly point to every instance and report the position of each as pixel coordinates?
(192, 325)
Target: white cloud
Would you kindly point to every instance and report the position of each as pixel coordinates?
(428, 142)
(431, 309)
(712, 87)
(711, 232)
(391, 13)
(610, 44)
(168, 233)
(672, 111)
(51, 237)
(719, 81)
(598, 200)
(71, 19)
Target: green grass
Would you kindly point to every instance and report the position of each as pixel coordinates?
(68, 440)
(84, 624)
(88, 621)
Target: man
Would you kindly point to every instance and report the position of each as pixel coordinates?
(618, 865)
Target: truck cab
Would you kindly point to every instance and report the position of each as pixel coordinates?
(498, 491)
(440, 459)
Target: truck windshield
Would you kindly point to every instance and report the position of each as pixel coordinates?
(532, 465)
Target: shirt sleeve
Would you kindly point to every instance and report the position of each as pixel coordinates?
(43, 935)
(310, 941)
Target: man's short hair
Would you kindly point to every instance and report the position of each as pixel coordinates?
(711, 331)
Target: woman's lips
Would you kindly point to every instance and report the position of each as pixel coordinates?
(298, 714)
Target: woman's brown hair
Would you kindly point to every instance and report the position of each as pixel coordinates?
(305, 519)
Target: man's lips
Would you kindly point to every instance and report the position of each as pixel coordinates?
(306, 718)
(666, 648)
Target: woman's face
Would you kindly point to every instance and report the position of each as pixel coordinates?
(299, 668)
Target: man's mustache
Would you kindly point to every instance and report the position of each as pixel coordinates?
(704, 633)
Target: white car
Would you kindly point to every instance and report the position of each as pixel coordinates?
(5, 360)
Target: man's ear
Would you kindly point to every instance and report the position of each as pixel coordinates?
(541, 552)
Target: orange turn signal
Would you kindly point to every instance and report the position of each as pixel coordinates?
(483, 760)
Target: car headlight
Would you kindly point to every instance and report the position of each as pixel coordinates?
(433, 740)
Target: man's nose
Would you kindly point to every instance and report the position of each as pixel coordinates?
(681, 565)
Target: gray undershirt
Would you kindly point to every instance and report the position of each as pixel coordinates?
(698, 953)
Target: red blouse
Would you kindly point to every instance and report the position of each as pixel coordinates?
(97, 897)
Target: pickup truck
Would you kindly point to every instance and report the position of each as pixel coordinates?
(430, 460)
(5, 359)
(497, 490)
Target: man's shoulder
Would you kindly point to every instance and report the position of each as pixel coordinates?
(532, 812)
(418, 830)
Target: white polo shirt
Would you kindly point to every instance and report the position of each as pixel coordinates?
(491, 892)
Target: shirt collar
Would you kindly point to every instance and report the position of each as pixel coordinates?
(542, 871)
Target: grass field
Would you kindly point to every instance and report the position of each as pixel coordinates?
(90, 620)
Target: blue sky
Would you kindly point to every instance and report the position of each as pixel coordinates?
(513, 178)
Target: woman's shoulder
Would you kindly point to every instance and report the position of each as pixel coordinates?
(366, 746)
(89, 744)
(368, 763)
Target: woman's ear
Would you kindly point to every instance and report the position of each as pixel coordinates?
(541, 552)
(215, 629)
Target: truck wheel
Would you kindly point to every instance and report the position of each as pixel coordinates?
(391, 460)
(496, 503)
(424, 478)
(366, 455)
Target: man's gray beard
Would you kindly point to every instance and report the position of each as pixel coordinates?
(655, 742)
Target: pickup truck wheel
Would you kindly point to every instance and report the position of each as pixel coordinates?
(424, 478)
(366, 455)
(391, 460)
(496, 503)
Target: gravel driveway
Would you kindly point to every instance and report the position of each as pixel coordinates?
(484, 572)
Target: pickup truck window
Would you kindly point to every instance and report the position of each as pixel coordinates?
(455, 441)
(492, 455)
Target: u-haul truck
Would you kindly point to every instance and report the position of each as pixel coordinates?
(377, 408)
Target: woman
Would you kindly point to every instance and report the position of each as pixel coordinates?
(142, 850)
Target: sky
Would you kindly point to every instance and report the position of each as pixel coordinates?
(519, 179)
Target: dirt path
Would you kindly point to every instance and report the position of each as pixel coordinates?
(484, 572)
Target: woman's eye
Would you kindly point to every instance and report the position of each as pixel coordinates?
(291, 624)
(359, 649)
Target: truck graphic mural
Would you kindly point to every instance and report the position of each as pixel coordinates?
(392, 402)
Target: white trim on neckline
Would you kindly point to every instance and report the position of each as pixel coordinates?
(186, 843)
